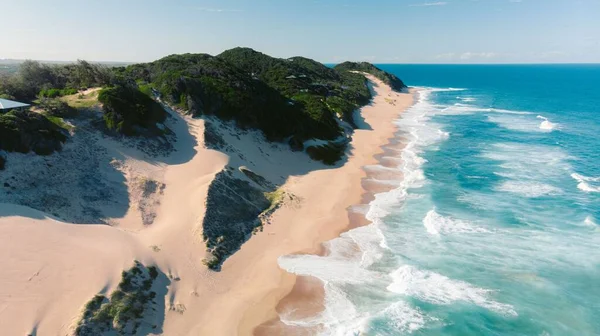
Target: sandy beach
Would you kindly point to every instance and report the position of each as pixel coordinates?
(246, 293)
(325, 214)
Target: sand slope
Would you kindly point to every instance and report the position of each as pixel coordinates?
(51, 268)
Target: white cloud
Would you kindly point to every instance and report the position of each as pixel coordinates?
(551, 54)
(368, 58)
(446, 56)
(470, 55)
(427, 4)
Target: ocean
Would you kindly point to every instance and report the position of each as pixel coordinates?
(494, 229)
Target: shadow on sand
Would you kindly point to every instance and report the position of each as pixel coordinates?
(82, 184)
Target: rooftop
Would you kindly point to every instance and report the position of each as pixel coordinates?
(6, 104)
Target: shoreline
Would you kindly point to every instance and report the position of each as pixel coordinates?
(305, 294)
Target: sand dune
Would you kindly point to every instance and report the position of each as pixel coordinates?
(51, 268)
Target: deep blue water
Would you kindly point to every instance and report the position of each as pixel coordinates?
(494, 229)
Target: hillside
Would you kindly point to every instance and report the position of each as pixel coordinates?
(295, 100)
(322, 89)
(390, 79)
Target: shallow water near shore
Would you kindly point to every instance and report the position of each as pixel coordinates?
(493, 229)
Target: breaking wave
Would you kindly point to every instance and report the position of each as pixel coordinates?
(529, 188)
(585, 183)
(437, 224)
(438, 289)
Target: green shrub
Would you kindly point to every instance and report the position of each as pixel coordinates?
(57, 108)
(50, 93)
(329, 154)
(54, 93)
(127, 109)
(25, 131)
(123, 311)
(146, 89)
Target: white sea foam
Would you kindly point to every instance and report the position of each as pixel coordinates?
(467, 99)
(521, 123)
(439, 289)
(353, 252)
(348, 257)
(529, 188)
(340, 316)
(394, 183)
(529, 163)
(585, 183)
(404, 318)
(546, 124)
(380, 168)
(589, 221)
(524, 155)
(325, 269)
(437, 224)
(466, 109)
(461, 109)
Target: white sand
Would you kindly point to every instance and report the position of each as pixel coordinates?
(51, 269)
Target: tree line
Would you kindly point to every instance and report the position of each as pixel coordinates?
(34, 79)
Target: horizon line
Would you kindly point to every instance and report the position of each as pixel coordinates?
(19, 60)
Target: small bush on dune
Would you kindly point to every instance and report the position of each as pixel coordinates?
(25, 131)
(54, 93)
(127, 109)
(57, 108)
(122, 313)
(328, 154)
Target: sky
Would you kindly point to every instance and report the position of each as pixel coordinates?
(330, 31)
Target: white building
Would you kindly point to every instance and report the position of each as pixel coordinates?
(7, 105)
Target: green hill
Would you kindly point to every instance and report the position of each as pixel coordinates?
(293, 99)
(386, 77)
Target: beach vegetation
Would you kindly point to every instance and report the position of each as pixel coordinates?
(390, 79)
(329, 153)
(212, 262)
(54, 93)
(233, 211)
(128, 111)
(35, 79)
(123, 311)
(60, 122)
(82, 100)
(56, 108)
(25, 131)
(275, 198)
(296, 98)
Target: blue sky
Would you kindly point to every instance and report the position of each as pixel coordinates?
(380, 31)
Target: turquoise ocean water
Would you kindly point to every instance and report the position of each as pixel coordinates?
(494, 229)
